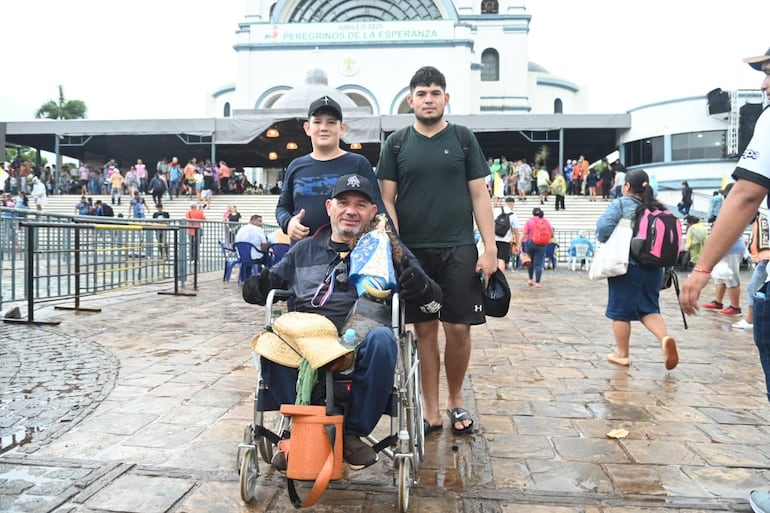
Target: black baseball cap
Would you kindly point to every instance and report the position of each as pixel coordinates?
(497, 295)
(326, 104)
(353, 183)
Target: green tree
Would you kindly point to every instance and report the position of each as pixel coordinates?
(27, 154)
(62, 109)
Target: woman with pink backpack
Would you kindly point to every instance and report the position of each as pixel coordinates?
(535, 237)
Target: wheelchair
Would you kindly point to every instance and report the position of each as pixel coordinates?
(405, 446)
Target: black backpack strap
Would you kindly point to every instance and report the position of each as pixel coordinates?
(464, 136)
(398, 139)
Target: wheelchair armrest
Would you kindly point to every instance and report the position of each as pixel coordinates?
(281, 294)
(272, 297)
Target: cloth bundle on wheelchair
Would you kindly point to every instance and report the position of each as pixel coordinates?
(297, 335)
(367, 313)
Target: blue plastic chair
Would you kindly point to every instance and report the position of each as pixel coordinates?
(231, 258)
(249, 266)
(276, 251)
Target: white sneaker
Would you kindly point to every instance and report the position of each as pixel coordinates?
(743, 325)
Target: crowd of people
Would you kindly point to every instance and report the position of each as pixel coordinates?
(576, 178)
(169, 178)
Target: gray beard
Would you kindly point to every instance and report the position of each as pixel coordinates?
(343, 235)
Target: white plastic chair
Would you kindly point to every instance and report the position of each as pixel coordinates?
(581, 254)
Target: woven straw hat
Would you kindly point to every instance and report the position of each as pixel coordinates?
(300, 334)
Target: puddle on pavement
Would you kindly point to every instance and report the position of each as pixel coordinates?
(447, 478)
(20, 437)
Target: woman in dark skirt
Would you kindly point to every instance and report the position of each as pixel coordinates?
(634, 295)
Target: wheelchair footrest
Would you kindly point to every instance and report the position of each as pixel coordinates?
(263, 431)
(385, 442)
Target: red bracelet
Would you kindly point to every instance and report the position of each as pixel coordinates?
(700, 270)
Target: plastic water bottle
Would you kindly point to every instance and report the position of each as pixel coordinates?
(348, 339)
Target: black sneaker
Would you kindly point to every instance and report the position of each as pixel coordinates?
(279, 461)
(357, 453)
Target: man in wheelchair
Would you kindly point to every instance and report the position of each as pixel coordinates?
(315, 270)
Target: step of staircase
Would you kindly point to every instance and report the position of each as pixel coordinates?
(580, 213)
(247, 205)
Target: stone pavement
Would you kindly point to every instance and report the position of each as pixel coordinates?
(140, 409)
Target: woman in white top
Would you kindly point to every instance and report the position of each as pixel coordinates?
(38, 193)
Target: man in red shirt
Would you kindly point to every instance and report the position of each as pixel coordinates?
(224, 177)
(194, 230)
(579, 172)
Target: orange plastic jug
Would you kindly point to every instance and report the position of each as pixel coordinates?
(309, 452)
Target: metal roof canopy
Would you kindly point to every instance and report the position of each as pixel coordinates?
(242, 141)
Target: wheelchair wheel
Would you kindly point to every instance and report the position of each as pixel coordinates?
(405, 480)
(266, 447)
(249, 474)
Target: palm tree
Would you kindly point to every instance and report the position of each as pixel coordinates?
(541, 157)
(63, 109)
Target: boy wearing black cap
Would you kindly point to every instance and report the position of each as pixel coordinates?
(309, 179)
(752, 175)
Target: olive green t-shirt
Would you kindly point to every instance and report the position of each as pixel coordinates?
(433, 203)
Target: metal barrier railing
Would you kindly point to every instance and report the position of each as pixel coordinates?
(116, 256)
(73, 260)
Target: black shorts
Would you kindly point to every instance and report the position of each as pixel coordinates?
(454, 269)
(503, 251)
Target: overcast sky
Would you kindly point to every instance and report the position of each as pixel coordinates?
(162, 58)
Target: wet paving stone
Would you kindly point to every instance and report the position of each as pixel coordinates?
(661, 452)
(569, 477)
(158, 418)
(48, 377)
(157, 495)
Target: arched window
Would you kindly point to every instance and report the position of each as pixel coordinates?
(490, 65)
(558, 106)
(489, 7)
(226, 112)
(310, 11)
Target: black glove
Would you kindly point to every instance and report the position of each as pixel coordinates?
(416, 286)
(256, 287)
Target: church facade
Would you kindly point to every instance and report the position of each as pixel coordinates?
(369, 51)
(365, 52)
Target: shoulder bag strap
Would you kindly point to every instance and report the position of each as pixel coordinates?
(323, 478)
